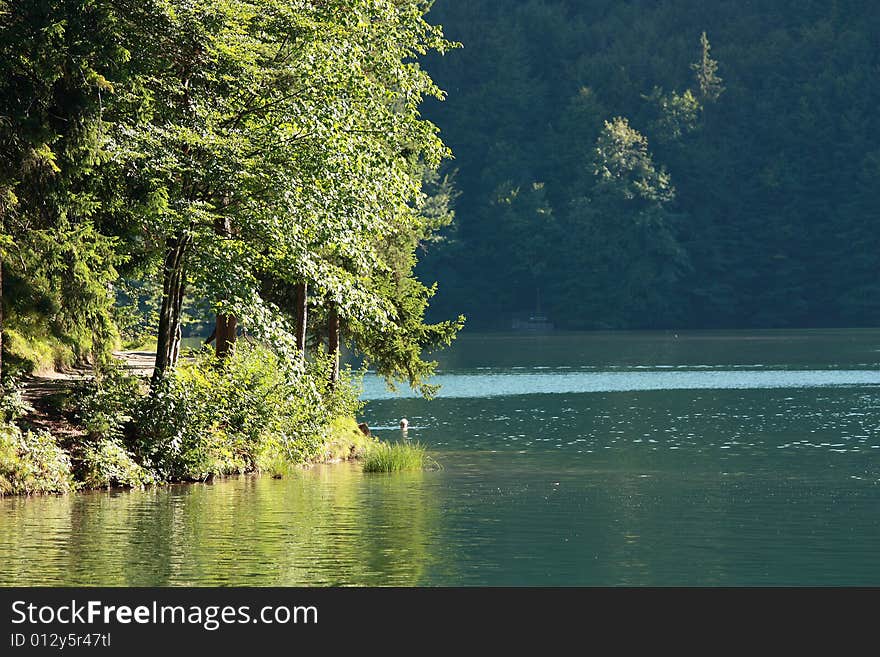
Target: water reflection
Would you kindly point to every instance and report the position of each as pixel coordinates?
(661, 486)
(323, 526)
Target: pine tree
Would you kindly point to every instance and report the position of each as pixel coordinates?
(706, 72)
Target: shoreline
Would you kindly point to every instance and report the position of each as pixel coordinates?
(345, 443)
(58, 436)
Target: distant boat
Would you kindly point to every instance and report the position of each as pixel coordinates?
(537, 322)
(533, 323)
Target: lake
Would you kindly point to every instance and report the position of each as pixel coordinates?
(690, 458)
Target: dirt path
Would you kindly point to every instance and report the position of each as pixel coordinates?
(137, 362)
(48, 393)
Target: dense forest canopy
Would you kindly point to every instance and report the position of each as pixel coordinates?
(632, 174)
(262, 159)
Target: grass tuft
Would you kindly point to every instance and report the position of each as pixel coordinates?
(398, 457)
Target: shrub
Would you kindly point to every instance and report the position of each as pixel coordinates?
(32, 462)
(105, 403)
(398, 457)
(106, 463)
(12, 405)
(245, 412)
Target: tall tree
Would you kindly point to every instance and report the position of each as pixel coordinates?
(706, 71)
(622, 236)
(57, 60)
(296, 125)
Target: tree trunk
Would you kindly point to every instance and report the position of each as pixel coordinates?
(224, 330)
(1, 323)
(173, 284)
(302, 317)
(177, 334)
(225, 335)
(333, 344)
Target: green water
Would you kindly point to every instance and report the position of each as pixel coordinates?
(639, 458)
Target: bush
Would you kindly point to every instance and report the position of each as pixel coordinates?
(12, 405)
(32, 462)
(106, 463)
(398, 457)
(104, 405)
(246, 412)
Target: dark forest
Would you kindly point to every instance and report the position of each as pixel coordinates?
(616, 171)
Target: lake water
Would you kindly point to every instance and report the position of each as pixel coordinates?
(568, 459)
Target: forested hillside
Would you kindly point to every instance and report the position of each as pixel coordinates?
(636, 176)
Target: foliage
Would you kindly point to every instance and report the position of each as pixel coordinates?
(706, 71)
(57, 264)
(165, 157)
(213, 417)
(31, 462)
(294, 126)
(135, 311)
(625, 168)
(106, 463)
(103, 405)
(30, 350)
(677, 114)
(344, 440)
(398, 457)
(131, 128)
(12, 404)
(397, 350)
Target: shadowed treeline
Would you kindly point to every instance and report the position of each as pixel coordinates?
(609, 172)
